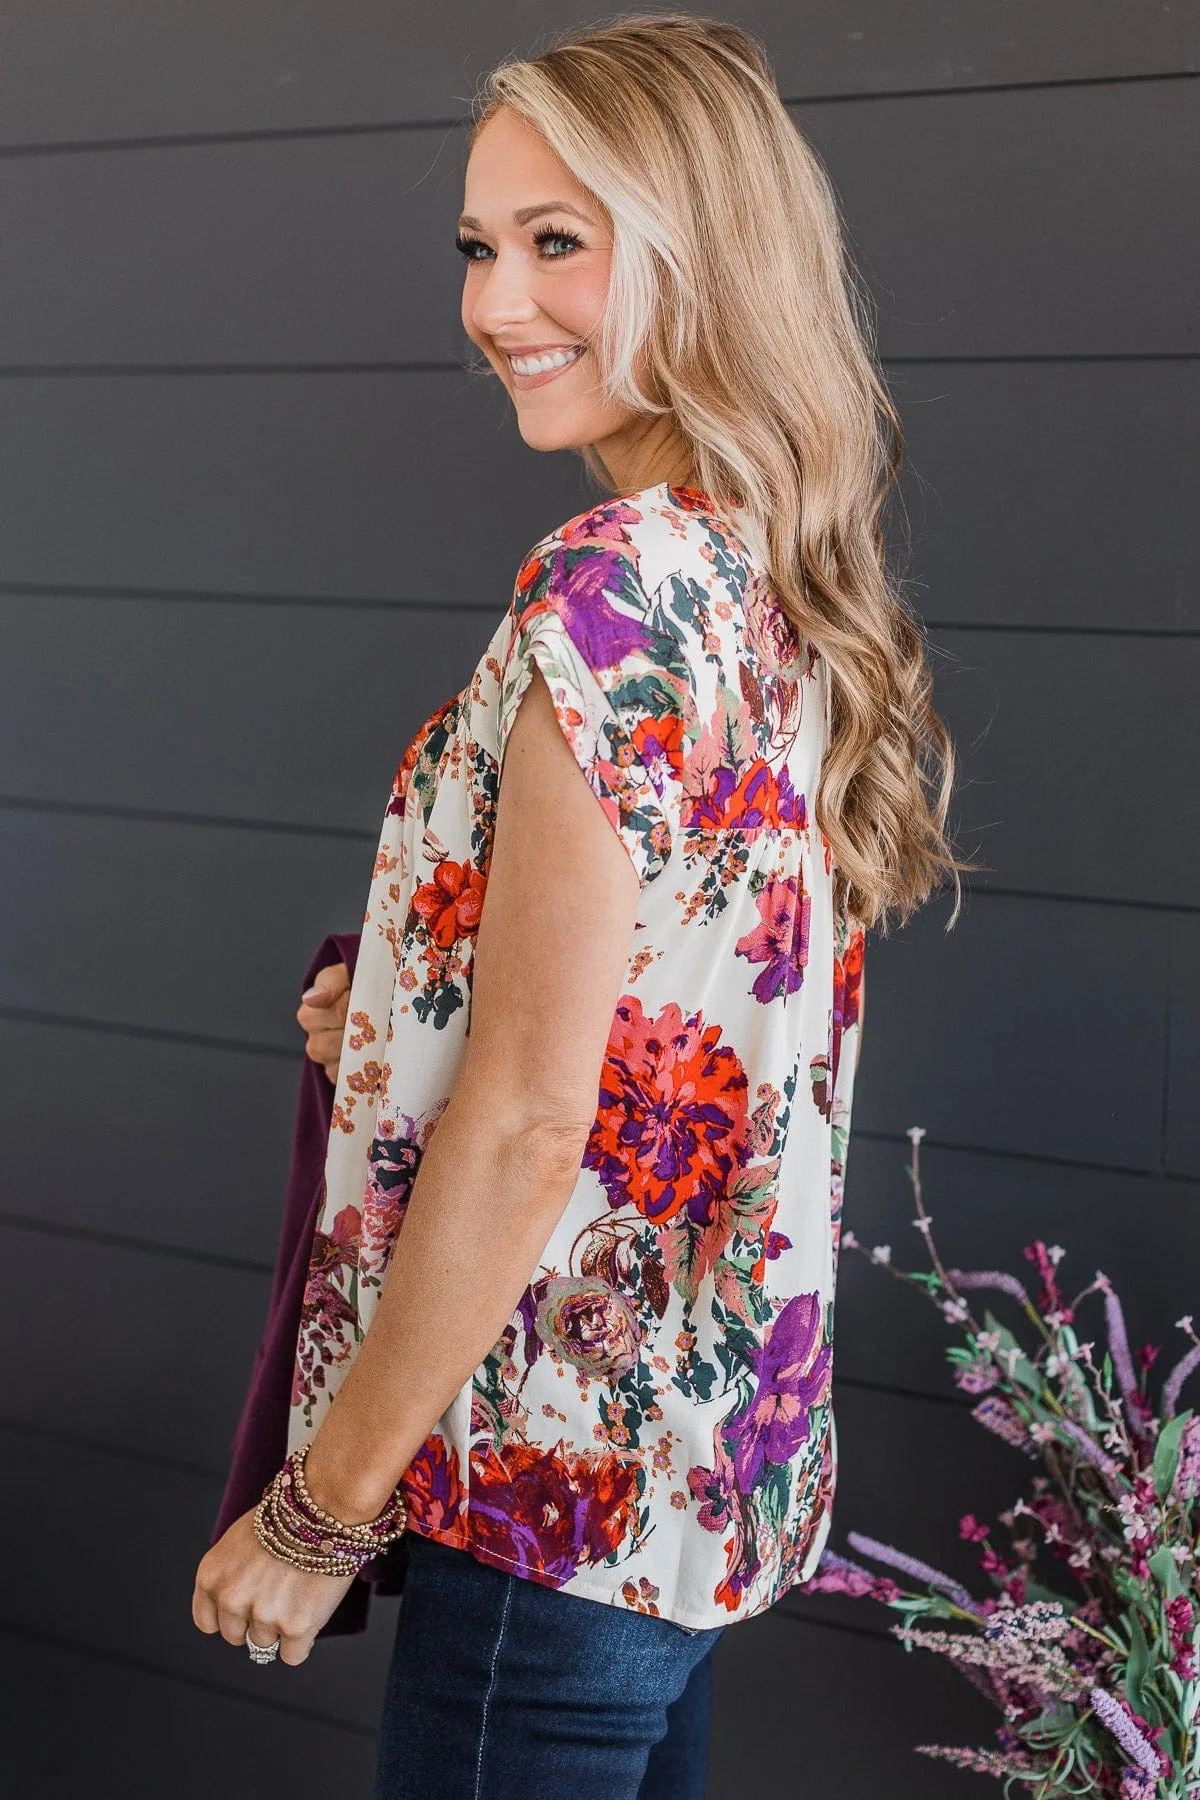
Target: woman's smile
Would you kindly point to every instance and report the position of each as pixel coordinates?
(536, 367)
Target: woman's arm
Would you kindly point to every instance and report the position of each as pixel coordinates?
(551, 954)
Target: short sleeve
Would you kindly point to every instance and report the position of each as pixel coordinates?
(618, 678)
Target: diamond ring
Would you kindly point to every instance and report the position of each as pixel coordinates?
(262, 1653)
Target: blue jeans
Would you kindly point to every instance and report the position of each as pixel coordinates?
(502, 1689)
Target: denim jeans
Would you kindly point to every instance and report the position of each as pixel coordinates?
(502, 1689)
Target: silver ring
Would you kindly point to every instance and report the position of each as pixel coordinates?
(262, 1653)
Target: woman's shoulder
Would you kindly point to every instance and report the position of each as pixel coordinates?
(631, 543)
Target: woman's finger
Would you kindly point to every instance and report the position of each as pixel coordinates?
(295, 1650)
(324, 1018)
(204, 1611)
(233, 1625)
(329, 985)
(323, 1046)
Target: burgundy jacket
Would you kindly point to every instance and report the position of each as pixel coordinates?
(260, 1441)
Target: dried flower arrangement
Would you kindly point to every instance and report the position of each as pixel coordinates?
(1099, 1691)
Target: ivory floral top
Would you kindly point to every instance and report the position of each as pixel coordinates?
(653, 1428)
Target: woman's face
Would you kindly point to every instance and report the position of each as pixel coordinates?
(539, 250)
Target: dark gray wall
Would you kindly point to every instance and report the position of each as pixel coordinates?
(233, 423)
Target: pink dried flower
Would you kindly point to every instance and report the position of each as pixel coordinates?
(1050, 1300)
(1181, 1620)
(838, 1575)
(1041, 1622)
(1187, 1472)
(1040, 1667)
(975, 1377)
(981, 1762)
(971, 1531)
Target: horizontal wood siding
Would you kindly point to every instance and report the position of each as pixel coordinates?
(257, 520)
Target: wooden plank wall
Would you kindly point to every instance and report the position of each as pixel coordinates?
(236, 446)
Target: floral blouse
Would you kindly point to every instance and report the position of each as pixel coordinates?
(653, 1428)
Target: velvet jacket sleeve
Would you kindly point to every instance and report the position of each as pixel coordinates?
(260, 1440)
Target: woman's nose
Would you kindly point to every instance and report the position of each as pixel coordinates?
(502, 298)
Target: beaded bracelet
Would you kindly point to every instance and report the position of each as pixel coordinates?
(289, 1524)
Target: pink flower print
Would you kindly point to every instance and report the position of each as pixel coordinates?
(780, 941)
(590, 1324)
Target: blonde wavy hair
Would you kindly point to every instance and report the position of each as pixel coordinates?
(732, 289)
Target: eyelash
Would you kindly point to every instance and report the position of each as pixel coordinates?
(467, 245)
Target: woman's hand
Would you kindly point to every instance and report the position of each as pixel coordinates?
(322, 1014)
(243, 1591)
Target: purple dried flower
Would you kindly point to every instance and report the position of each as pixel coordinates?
(1091, 1452)
(989, 1278)
(1135, 1785)
(1118, 1344)
(998, 1416)
(1139, 1749)
(918, 1571)
(1175, 1380)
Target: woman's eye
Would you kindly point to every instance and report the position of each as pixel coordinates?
(549, 236)
(475, 250)
(467, 246)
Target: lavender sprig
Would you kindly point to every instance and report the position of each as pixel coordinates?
(1175, 1380)
(989, 1278)
(1091, 1452)
(918, 1571)
(1138, 1748)
(1118, 1345)
(1042, 1660)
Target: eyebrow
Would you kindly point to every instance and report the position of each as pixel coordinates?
(523, 215)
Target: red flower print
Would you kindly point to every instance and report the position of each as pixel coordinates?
(451, 903)
(781, 940)
(432, 1487)
(723, 796)
(672, 1124)
(847, 984)
(402, 780)
(548, 1512)
(659, 744)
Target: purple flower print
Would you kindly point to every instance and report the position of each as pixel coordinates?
(780, 942)
(713, 1488)
(793, 1367)
(581, 584)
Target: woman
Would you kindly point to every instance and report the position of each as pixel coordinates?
(594, 1391)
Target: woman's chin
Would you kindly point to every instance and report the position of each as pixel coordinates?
(550, 434)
